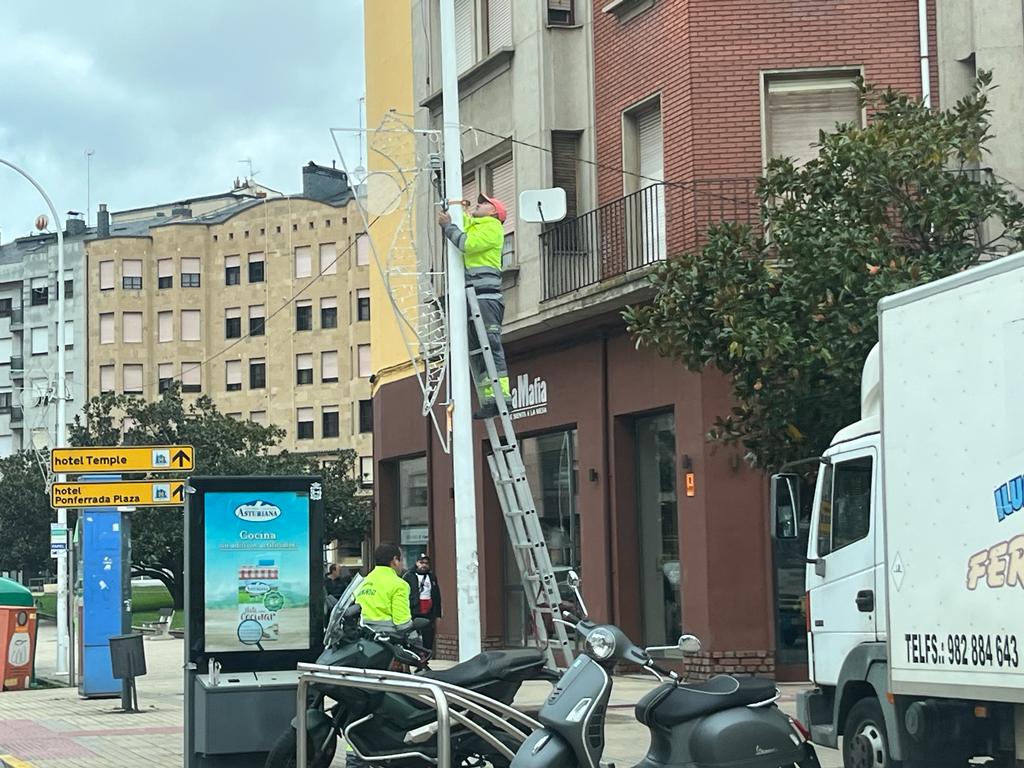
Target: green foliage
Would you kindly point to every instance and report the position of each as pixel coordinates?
(25, 515)
(790, 317)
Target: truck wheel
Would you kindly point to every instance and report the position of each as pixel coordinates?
(865, 742)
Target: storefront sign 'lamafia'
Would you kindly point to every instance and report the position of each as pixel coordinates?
(529, 396)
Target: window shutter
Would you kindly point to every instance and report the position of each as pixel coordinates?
(565, 147)
(6, 348)
(328, 259)
(131, 268)
(465, 34)
(304, 362)
(106, 275)
(40, 341)
(652, 163)
(165, 268)
(191, 374)
(499, 24)
(256, 311)
(305, 414)
(329, 365)
(303, 261)
(69, 333)
(503, 187)
(107, 328)
(560, 5)
(258, 417)
(365, 368)
(232, 312)
(106, 378)
(799, 108)
(190, 321)
(233, 371)
(190, 265)
(232, 261)
(165, 371)
(132, 327)
(133, 378)
(329, 302)
(362, 250)
(165, 320)
(256, 258)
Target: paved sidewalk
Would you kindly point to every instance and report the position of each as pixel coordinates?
(54, 728)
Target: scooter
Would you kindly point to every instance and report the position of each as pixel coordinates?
(726, 722)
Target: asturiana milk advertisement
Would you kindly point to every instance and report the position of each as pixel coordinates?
(257, 571)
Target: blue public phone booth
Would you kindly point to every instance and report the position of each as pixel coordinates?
(103, 595)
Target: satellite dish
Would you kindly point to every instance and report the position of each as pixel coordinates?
(542, 206)
(42, 222)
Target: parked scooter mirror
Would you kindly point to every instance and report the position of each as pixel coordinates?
(689, 644)
(572, 579)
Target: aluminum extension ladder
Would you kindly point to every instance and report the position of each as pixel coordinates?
(525, 533)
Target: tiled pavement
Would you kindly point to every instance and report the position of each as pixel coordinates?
(54, 728)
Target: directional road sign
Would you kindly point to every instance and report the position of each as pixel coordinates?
(150, 458)
(129, 493)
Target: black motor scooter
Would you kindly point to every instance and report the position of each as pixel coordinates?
(725, 722)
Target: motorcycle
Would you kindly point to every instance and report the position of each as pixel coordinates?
(724, 722)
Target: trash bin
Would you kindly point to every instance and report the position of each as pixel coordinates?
(17, 636)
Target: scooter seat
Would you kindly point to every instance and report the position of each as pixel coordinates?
(670, 705)
(490, 666)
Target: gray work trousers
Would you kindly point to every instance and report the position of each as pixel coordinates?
(492, 312)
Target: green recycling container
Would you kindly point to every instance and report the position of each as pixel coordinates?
(12, 593)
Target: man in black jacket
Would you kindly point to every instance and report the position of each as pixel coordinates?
(424, 597)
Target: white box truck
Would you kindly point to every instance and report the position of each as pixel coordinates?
(915, 555)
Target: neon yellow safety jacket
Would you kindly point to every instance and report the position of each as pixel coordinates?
(481, 245)
(384, 598)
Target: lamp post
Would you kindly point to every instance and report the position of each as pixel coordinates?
(63, 639)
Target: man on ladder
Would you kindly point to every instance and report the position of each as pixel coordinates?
(481, 245)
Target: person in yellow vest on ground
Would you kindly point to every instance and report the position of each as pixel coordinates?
(481, 245)
(384, 594)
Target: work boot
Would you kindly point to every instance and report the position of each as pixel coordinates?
(487, 411)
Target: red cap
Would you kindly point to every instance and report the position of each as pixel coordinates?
(499, 207)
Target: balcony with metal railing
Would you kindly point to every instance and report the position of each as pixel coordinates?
(640, 229)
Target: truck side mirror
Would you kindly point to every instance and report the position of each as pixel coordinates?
(785, 506)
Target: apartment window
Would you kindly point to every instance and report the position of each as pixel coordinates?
(69, 284)
(131, 327)
(363, 353)
(366, 415)
(236, 415)
(257, 273)
(132, 379)
(329, 312)
(232, 270)
(6, 401)
(107, 328)
(165, 273)
(40, 292)
(330, 422)
(191, 320)
(465, 34)
(329, 367)
(40, 340)
(304, 368)
(69, 334)
(257, 320)
(165, 325)
(304, 315)
(366, 471)
(258, 417)
(362, 250)
(798, 107)
(6, 307)
(107, 378)
(257, 373)
(233, 374)
(501, 178)
(190, 272)
(499, 25)
(362, 304)
(304, 419)
(645, 168)
(192, 377)
(233, 323)
(131, 275)
(164, 376)
(560, 13)
(565, 149)
(303, 261)
(6, 350)
(328, 259)
(106, 276)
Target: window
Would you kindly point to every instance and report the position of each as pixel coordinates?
(560, 13)
(69, 284)
(6, 401)
(131, 327)
(304, 315)
(165, 325)
(465, 35)
(304, 417)
(191, 319)
(232, 270)
(797, 107)
(106, 378)
(362, 304)
(233, 374)
(328, 259)
(132, 379)
(303, 261)
(107, 328)
(645, 168)
(233, 323)
(365, 369)
(257, 320)
(329, 367)
(499, 24)
(131, 274)
(191, 377)
(304, 368)
(106, 277)
(40, 291)
(190, 272)
(6, 307)
(69, 334)
(845, 515)
(366, 471)
(329, 312)
(412, 504)
(330, 423)
(40, 340)
(165, 375)
(258, 417)
(6, 349)
(366, 415)
(257, 273)
(502, 185)
(236, 415)
(565, 149)
(165, 273)
(362, 250)
(257, 373)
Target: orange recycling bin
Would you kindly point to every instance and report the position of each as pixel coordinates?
(17, 646)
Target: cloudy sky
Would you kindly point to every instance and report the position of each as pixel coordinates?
(170, 97)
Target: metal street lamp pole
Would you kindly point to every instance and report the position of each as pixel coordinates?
(63, 639)
(466, 556)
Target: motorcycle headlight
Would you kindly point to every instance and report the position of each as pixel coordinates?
(601, 643)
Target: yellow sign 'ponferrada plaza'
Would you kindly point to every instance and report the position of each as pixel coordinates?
(133, 493)
(151, 458)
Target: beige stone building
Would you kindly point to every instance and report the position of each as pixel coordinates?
(263, 305)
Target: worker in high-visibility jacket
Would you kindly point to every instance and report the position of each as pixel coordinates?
(481, 244)
(384, 594)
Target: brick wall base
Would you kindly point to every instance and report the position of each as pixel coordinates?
(744, 663)
(446, 647)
